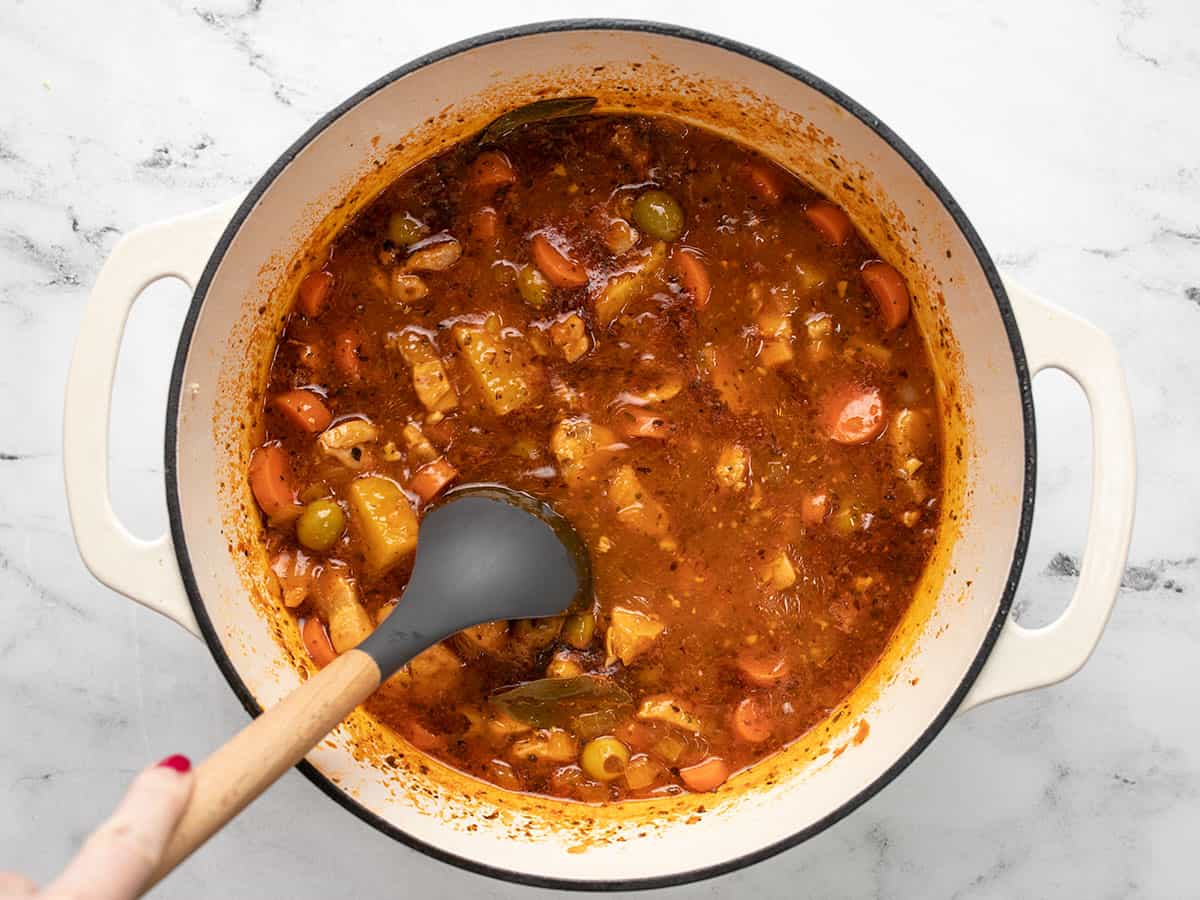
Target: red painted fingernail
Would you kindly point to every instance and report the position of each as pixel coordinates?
(178, 762)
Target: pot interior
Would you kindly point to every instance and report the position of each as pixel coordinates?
(337, 168)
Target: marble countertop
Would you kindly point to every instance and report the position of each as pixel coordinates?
(1068, 131)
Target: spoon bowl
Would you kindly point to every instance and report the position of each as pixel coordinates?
(484, 553)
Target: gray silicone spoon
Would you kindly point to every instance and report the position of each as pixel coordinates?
(484, 553)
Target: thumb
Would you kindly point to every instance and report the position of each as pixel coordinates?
(121, 854)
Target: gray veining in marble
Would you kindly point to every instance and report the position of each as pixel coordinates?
(1068, 131)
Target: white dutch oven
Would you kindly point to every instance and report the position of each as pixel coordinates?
(958, 648)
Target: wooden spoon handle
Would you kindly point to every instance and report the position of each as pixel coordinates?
(257, 756)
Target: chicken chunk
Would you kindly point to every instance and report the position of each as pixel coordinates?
(733, 467)
(335, 597)
(345, 442)
(669, 710)
(579, 444)
(434, 257)
(430, 381)
(549, 745)
(500, 727)
(635, 507)
(659, 388)
(433, 673)
(911, 435)
(487, 639)
(570, 337)
(418, 445)
(294, 571)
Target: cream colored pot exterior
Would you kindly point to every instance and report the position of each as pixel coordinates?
(790, 115)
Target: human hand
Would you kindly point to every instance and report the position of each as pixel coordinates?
(119, 856)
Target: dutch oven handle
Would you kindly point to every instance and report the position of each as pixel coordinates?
(1028, 658)
(145, 571)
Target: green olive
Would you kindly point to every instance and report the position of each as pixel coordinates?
(403, 229)
(534, 287)
(320, 525)
(579, 629)
(604, 758)
(657, 214)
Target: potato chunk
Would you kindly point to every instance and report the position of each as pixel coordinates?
(629, 285)
(775, 326)
(335, 597)
(733, 467)
(502, 366)
(433, 386)
(630, 633)
(779, 574)
(635, 507)
(384, 518)
(578, 444)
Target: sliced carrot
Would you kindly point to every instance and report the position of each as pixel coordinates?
(694, 275)
(764, 181)
(814, 508)
(559, 269)
(304, 409)
(752, 721)
(706, 775)
(491, 171)
(762, 668)
(633, 422)
(432, 478)
(347, 356)
(853, 415)
(831, 221)
(270, 476)
(485, 224)
(317, 643)
(314, 291)
(889, 290)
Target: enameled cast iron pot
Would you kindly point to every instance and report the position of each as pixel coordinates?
(956, 649)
